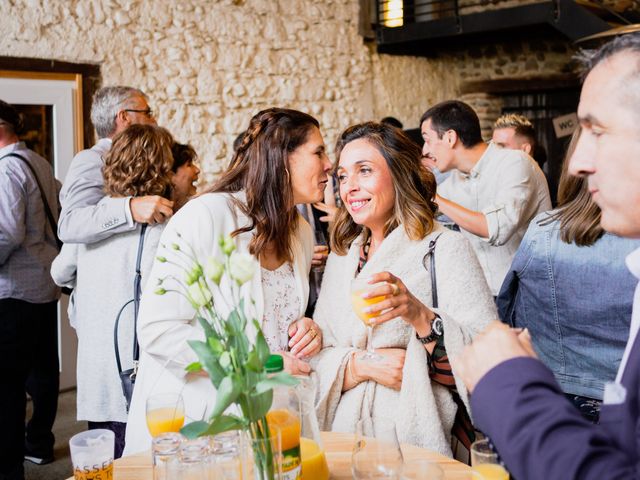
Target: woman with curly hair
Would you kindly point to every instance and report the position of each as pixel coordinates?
(102, 274)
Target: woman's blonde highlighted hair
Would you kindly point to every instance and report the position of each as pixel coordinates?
(414, 185)
(139, 162)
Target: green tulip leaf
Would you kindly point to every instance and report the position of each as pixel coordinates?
(195, 429)
(224, 423)
(229, 389)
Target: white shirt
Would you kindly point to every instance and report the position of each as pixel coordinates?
(509, 188)
(633, 264)
(281, 305)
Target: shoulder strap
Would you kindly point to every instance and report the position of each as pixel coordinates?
(431, 253)
(136, 307)
(47, 210)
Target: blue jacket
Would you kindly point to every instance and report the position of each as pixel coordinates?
(575, 301)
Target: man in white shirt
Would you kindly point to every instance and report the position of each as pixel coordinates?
(492, 193)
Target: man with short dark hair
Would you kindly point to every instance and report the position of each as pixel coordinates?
(28, 298)
(515, 398)
(88, 215)
(491, 194)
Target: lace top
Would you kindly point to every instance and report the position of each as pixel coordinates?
(281, 305)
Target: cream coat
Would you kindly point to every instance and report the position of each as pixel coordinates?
(166, 322)
(423, 411)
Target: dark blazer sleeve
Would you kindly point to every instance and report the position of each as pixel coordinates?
(539, 434)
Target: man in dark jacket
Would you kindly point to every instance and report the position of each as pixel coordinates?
(515, 399)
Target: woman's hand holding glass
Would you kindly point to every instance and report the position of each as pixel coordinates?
(305, 338)
(398, 302)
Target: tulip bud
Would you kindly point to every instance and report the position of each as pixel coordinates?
(242, 266)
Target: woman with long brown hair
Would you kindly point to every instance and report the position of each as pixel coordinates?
(383, 232)
(103, 274)
(579, 332)
(280, 162)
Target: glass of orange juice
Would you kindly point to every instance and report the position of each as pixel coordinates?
(165, 413)
(485, 461)
(359, 286)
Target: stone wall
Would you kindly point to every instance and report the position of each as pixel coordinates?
(208, 65)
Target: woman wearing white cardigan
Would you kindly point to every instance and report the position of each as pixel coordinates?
(383, 232)
(281, 162)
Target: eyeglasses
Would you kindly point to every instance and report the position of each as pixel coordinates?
(148, 112)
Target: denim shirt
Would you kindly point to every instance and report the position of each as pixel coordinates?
(575, 301)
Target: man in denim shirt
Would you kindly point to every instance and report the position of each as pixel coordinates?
(28, 298)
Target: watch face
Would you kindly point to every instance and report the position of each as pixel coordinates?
(437, 327)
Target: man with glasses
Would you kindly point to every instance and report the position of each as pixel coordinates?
(87, 214)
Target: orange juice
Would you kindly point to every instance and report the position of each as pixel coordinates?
(491, 471)
(103, 472)
(163, 420)
(359, 304)
(289, 426)
(314, 462)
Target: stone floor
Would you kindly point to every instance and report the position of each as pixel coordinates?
(65, 427)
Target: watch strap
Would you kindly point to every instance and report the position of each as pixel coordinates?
(434, 335)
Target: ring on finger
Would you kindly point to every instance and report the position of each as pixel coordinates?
(313, 332)
(395, 289)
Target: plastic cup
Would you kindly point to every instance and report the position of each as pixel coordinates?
(92, 454)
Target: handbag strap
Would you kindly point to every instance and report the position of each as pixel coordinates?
(137, 290)
(47, 209)
(432, 269)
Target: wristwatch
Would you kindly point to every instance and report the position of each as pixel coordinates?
(437, 329)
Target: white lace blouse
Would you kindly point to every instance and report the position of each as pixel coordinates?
(281, 305)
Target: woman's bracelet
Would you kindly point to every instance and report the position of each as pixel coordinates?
(352, 374)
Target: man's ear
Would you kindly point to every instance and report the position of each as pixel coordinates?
(122, 120)
(526, 148)
(451, 137)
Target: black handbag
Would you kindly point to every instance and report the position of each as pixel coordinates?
(128, 377)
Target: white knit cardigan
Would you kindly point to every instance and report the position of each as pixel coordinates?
(422, 410)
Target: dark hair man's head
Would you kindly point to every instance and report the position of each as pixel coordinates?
(10, 119)
(447, 128)
(457, 116)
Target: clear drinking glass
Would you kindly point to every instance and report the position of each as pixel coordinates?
(376, 451)
(484, 460)
(165, 449)
(194, 459)
(165, 413)
(358, 287)
(92, 454)
(226, 456)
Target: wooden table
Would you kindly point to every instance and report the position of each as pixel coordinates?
(338, 450)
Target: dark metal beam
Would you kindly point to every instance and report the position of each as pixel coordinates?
(566, 16)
